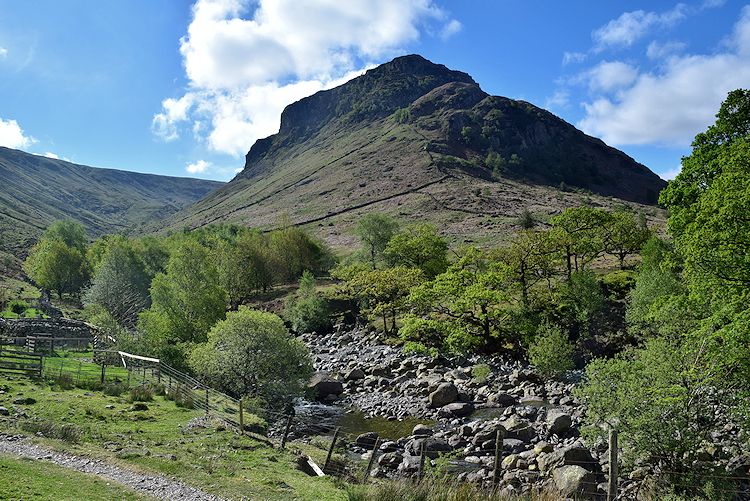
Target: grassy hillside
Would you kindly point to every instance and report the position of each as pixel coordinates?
(423, 143)
(35, 191)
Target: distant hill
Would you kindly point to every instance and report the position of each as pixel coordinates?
(35, 191)
(422, 142)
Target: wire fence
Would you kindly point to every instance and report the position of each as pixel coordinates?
(327, 443)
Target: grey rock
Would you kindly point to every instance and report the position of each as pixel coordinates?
(456, 409)
(323, 385)
(445, 394)
(558, 422)
(575, 481)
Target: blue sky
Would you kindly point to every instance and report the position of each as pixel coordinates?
(184, 88)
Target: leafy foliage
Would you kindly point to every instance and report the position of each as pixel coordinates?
(306, 311)
(58, 261)
(376, 230)
(551, 352)
(419, 247)
(252, 353)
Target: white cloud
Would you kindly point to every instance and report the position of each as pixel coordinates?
(671, 105)
(661, 50)
(573, 57)
(198, 167)
(611, 75)
(560, 99)
(3, 52)
(54, 156)
(632, 26)
(245, 62)
(671, 173)
(454, 26)
(12, 135)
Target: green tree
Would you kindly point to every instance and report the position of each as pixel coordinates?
(306, 311)
(578, 234)
(580, 301)
(120, 284)
(186, 302)
(463, 308)
(531, 258)
(624, 235)
(252, 353)
(383, 293)
(419, 247)
(375, 230)
(58, 261)
(658, 397)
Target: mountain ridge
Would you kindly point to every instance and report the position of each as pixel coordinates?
(37, 190)
(421, 133)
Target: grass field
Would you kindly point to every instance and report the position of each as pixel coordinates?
(28, 479)
(157, 440)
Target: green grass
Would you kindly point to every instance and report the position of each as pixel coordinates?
(28, 479)
(156, 440)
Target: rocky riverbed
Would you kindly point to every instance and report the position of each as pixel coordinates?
(537, 421)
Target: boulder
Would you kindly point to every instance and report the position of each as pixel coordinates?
(456, 409)
(574, 481)
(322, 384)
(354, 375)
(519, 428)
(432, 447)
(574, 455)
(390, 460)
(421, 430)
(502, 399)
(366, 440)
(4, 411)
(558, 422)
(445, 394)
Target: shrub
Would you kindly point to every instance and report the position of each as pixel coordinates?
(415, 348)
(18, 306)
(252, 353)
(551, 352)
(67, 432)
(181, 395)
(481, 372)
(526, 220)
(141, 393)
(64, 382)
(619, 282)
(114, 389)
(306, 311)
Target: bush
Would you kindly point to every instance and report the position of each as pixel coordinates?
(415, 348)
(306, 311)
(64, 382)
(68, 432)
(551, 352)
(481, 372)
(526, 220)
(619, 283)
(114, 389)
(252, 353)
(141, 393)
(181, 395)
(18, 306)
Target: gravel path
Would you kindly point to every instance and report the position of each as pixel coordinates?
(153, 485)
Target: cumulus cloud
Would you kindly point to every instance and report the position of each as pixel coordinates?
(660, 50)
(454, 26)
(3, 52)
(671, 173)
(611, 75)
(54, 156)
(246, 61)
(632, 26)
(198, 167)
(13, 136)
(670, 105)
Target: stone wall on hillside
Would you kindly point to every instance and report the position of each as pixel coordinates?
(56, 327)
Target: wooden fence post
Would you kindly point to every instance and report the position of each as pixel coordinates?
(371, 461)
(104, 372)
(330, 449)
(422, 450)
(286, 430)
(242, 418)
(78, 377)
(206, 400)
(498, 457)
(612, 485)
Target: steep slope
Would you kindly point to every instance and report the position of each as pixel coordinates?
(35, 191)
(424, 142)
